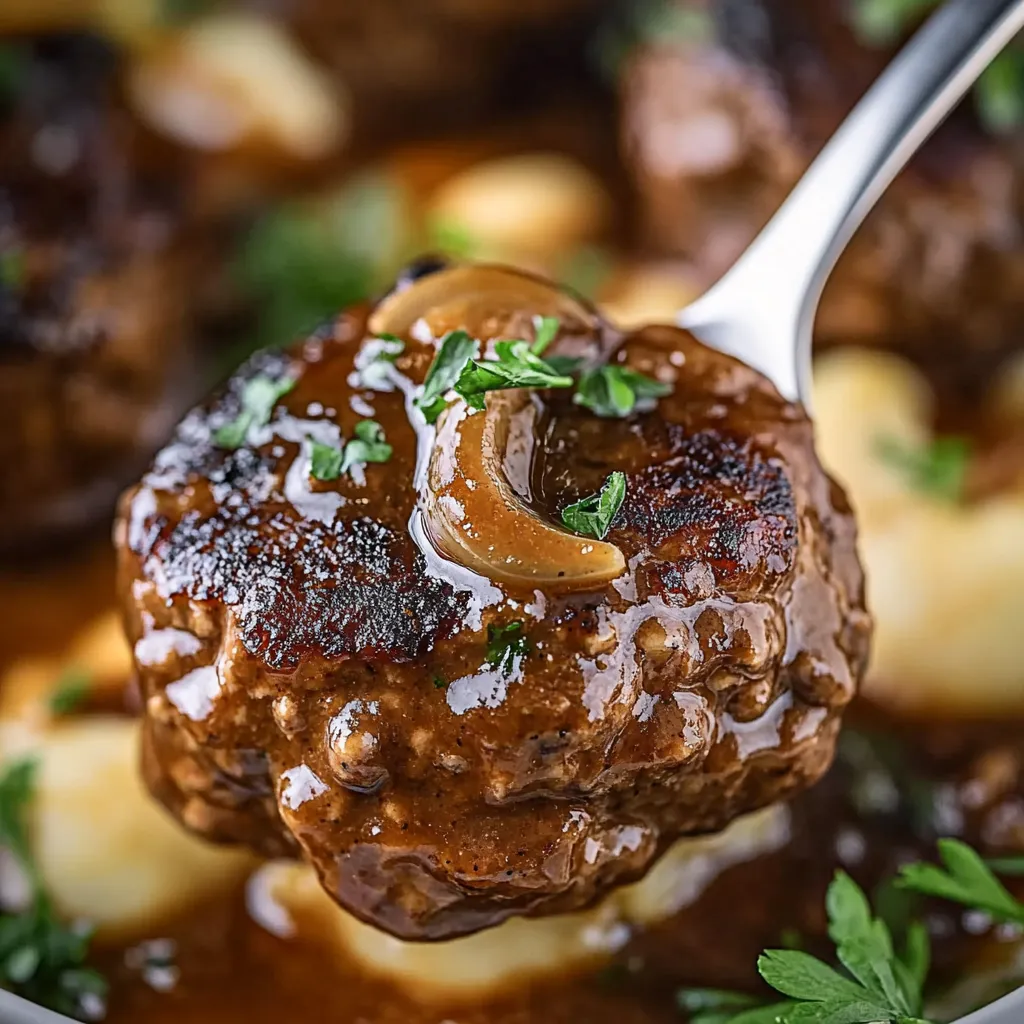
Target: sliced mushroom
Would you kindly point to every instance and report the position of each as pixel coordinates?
(484, 300)
(473, 515)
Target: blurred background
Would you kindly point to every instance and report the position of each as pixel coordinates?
(183, 181)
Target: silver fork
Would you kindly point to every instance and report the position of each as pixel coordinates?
(762, 310)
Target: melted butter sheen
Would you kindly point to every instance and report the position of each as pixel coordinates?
(703, 679)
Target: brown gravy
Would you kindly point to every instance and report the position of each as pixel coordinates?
(230, 970)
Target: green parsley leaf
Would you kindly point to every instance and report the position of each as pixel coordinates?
(593, 516)
(72, 688)
(324, 460)
(368, 445)
(999, 92)
(506, 644)
(545, 330)
(879, 986)
(938, 469)
(440, 682)
(615, 391)
(964, 878)
(40, 957)
(516, 366)
(259, 397)
(455, 352)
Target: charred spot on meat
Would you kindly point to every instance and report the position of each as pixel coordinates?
(92, 279)
(381, 646)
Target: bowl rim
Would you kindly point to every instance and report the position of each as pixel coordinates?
(14, 1010)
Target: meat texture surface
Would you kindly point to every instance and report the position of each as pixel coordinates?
(719, 126)
(92, 283)
(414, 676)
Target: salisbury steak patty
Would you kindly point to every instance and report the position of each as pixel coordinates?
(92, 295)
(417, 678)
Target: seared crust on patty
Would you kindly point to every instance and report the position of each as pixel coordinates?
(449, 749)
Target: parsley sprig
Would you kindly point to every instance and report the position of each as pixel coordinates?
(328, 462)
(879, 984)
(963, 878)
(41, 958)
(608, 390)
(259, 397)
(456, 350)
(517, 364)
(593, 516)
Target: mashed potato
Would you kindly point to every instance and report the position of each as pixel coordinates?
(287, 899)
(106, 851)
(945, 579)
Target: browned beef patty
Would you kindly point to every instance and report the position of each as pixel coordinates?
(93, 295)
(455, 727)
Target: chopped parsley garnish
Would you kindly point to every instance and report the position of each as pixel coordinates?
(368, 445)
(593, 516)
(72, 688)
(456, 350)
(938, 468)
(440, 682)
(41, 958)
(615, 391)
(259, 397)
(505, 644)
(516, 366)
(326, 462)
(964, 878)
